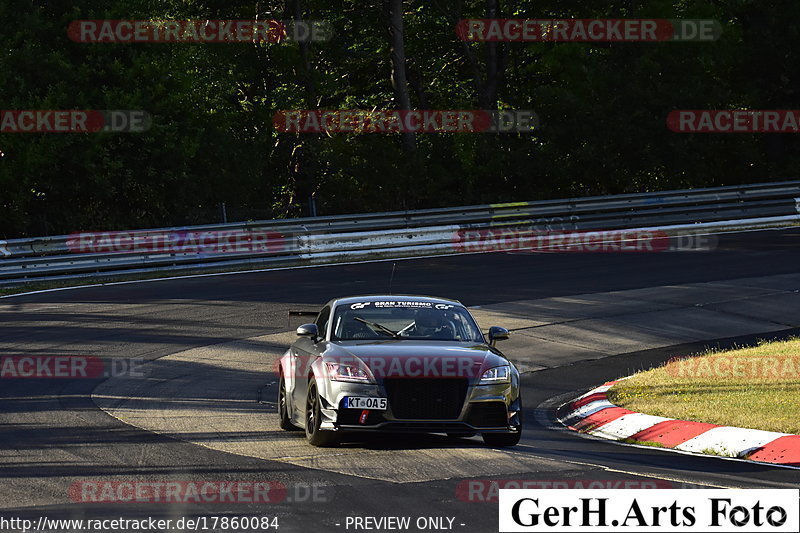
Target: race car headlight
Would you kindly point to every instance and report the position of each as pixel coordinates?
(350, 373)
(499, 374)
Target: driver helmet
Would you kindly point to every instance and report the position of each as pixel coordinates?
(428, 319)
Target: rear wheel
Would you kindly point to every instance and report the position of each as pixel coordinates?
(501, 439)
(315, 435)
(283, 408)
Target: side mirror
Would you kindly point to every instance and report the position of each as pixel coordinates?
(308, 330)
(496, 333)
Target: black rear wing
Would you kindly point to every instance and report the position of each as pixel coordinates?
(303, 313)
(298, 314)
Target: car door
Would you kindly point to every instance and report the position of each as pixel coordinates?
(305, 352)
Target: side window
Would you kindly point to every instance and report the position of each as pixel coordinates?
(322, 321)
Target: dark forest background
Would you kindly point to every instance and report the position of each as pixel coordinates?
(602, 106)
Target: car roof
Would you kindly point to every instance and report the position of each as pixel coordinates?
(391, 298)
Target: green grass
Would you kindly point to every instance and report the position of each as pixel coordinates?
(756, 387)
(720, 453)
(643, 443)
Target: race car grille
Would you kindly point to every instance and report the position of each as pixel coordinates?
(426, 398)
(487, 414)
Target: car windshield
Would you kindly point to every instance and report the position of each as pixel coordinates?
(404, 320)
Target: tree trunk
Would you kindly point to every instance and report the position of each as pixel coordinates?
(303, 164)
(393, 11)
(486, 86)
(488, 97)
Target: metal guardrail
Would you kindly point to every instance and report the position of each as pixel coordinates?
(359, 237)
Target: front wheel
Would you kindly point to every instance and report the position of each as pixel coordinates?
(502, 439)
(283, 408)
(314, 435)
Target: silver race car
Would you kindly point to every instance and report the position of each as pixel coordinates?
(398, 364)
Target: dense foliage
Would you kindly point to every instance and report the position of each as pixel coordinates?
(603, 109)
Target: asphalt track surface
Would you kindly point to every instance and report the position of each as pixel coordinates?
(53, 435)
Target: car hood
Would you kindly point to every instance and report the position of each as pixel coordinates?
(415, 359)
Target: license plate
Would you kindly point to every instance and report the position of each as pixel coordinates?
(378, 404)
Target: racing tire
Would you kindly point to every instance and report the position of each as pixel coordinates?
(283, 411)
(502, 439)
(314, 435)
